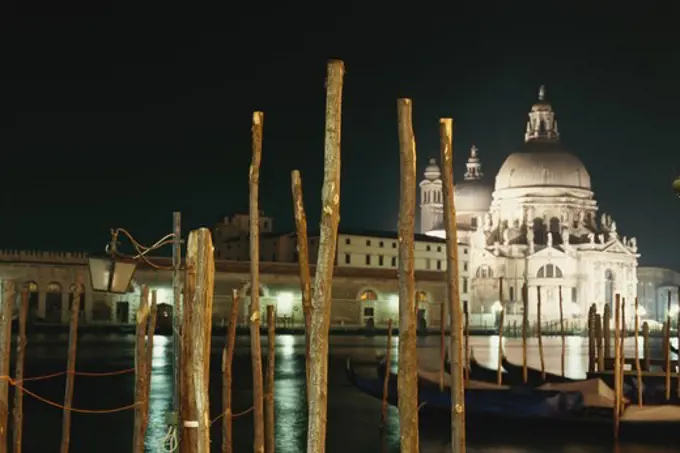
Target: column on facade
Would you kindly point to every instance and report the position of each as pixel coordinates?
(65, 308)
(42, 300)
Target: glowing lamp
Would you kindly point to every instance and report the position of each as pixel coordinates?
(284, 302)
(676, 186)
(641, 311)
(111, 274)
(393, 300)
(497, 307)
(674, 311)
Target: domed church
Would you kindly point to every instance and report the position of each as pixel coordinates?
(538, 225)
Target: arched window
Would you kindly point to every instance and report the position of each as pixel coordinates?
(549, 271)
(421, 296)
(484, 271)
(53, 303)
(32, 288)
(368, 295)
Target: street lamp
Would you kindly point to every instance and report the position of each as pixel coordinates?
(676, 186)
(113, 273)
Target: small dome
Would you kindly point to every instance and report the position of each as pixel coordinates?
(472, 196)
(542, 164)
(432, 171)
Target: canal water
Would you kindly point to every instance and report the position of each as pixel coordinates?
(353, 418)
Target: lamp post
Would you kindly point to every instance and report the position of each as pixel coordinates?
(113, 273)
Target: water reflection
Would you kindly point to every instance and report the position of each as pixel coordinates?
(160, 398)
(289, 395)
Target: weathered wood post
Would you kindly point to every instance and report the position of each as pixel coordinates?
(466, 345)
(617, 365)
(562, 333)
(442, 346)
(458, 442)
(499, 368)
(677, 356)
(386, 387)
(19, 373)
(150, 333)
(8, 298)
(270, 425)
(622, 355)
(323, 280)
(407, 381)
(592, 339)
(71, 367)
(638, 367)
(255, 315)
(525, 327)
(645, 346)
(197, 335)
(303, 259)
(140, 371)
(600, 343)
(667, 348)
(606, 331)
(227, 360)
(539, 333)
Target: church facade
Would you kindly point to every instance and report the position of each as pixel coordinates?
(538, 226)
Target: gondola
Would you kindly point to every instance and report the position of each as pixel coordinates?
(534, 376)
(480, 400)
(511, 410)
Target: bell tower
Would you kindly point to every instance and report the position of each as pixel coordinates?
(431, 198)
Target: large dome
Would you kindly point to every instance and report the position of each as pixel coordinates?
(542, 161)
(541, 164)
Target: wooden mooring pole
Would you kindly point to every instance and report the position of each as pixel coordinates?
(227, 360)
(606, 331)
(562, 333)
(539, 333)
(617, 365)
(442, 346)
(303, 259)
(8, 298)
(19, 373)
(638, 367)
(323, 279)
(71, 366)
(197, 335)
(466, 345)
(269, 413)
(458, 438)
(501, 324)
(525, 332)
(386, 388)
(140, 371)
(667, 348)
(255, 315)
(407, 382)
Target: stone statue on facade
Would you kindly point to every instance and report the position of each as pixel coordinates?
(550, 240)
(506, 237)
(565, 236)
(600, 238)
(591, 238)
(633, 245)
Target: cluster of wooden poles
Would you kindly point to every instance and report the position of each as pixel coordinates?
(317, 303)
(146, 323)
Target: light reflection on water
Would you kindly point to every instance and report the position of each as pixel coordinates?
(353, 418)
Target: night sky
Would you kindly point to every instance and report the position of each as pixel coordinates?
(116, 116)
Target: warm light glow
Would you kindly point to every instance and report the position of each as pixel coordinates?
(674, 311)
(575, 309)
(284, 303)
(497, 307)
(641, 311)
(393, 300)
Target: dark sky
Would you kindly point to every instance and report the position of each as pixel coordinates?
(117, 115)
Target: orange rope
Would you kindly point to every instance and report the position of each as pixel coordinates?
(238, 414)
(61, 406)
(78, 373)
